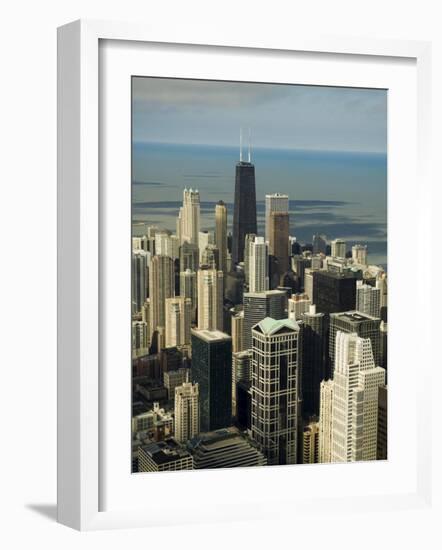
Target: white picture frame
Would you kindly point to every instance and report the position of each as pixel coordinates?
(80, 207)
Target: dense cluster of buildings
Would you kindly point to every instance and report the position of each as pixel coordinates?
(250, 349)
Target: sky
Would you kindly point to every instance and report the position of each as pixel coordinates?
(279, 116)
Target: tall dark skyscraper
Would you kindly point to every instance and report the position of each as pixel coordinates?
(314, 357)
(334, 292)
(258, 306)
(244, 211)
(212, 370)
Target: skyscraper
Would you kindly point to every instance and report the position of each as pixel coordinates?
(204, 238)
(314, 359)
(188, 289)
(276, 202)
(338, 248)
(140, 275)
(382, 446)
(161, 287)
(258, 306)
(178, 320)
(362, 324)
(275, 404)
(368, 299)
(187, 421)
(237, 331)
(359, 254)
(166, 244)
(325, 421)
(210, 257)
(140, 335)
(258, 265)
(244, 210)
(189, 257)
(212, 371)
(298, 304)
(241, 371)
(221, 234)
(334, 291)
(319, 244)
(278, 246)
(356, 382)
(190, 216)
(210, 299)
(250, 237)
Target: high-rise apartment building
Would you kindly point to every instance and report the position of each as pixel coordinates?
(189, 257)
(204, 239)
(338, 248)
(258, 265)
(359, 254)
(298, 304)
(212, 371)
(221, 234)
(188, 289)
(140, 277)
(178, 321)
(325, 421)
(275, 391)
(249, 238)
(161, 287)
(140, 335)
(356, 382)
(210, 299)
(362, 324)
(237, 331)
(187, 419)
(167, 244)
(275, 202)
(244, 210)
(257, 306)
(368, 299)
(278, 246)
(190, 217)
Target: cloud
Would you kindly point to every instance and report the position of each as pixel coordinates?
(280, 115)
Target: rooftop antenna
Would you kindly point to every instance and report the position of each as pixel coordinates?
(249, 146)
(240, 144)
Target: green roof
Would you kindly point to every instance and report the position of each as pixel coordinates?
(270, 326)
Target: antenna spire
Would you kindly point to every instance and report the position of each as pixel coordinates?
(240, 144)
(249, 157)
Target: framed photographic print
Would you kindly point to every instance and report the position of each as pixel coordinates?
(231, 240)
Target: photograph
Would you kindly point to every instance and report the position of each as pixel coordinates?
(259, 274)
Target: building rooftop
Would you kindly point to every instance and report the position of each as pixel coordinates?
(271, 326)
(211, 335)
(264, 293)
(354, 316)
(162, 452)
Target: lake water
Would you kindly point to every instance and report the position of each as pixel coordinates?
(339, 194)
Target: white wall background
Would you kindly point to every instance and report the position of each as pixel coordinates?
(28, 260)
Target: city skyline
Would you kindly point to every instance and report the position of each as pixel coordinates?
(254, 342)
